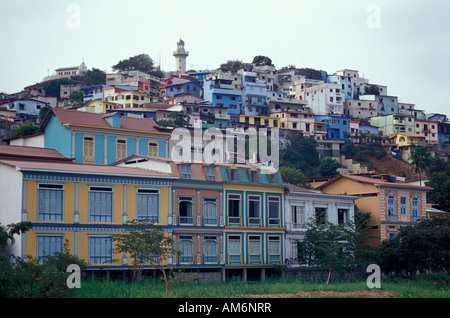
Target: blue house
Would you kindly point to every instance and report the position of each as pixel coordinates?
(171, 90)
(102, 139)
(444, 132)
(387, 105)
(254, 95)
(337, 126)
(221, 93)
(345, 82)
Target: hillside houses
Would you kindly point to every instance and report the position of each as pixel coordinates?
(95, 165)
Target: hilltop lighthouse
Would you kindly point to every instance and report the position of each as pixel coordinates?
(180, 57)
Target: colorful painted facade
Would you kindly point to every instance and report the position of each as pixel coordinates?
(390, 204)
(102, 139)
(81, 204)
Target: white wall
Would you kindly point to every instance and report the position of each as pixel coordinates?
(11, 203)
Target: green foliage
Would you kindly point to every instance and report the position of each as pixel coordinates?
(425, 246)
(26, 129)
(43, 112)
(141, 62)
(420, 156)
(328, 167)
(294, 176)
(76, 97)
(176, 120)
(328, 246)
(7, 232)
(261, 60)
(30, 277)
(94, 77)
(302, 154)
(310, 73)
(371, 90)
(231, 66)
(438, 173)
(147, 244)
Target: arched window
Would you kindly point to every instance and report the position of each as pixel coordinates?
(391, 206)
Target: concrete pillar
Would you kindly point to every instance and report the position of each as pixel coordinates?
(244, 274)
(263, 274)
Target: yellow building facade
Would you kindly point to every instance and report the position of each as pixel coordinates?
(83, 205)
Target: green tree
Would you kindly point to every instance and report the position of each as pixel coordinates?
(310, 73)
(371, 90)
(231, 66)
(26, 129)
(301, 154)
(141, 62)
(176, 120)
(7, 232)
(422, 247)
(76, 98)
(146, 244)
(261, 60)
(328, 246)
(420, 157)
(328, 167)
(438, 173)
(294, 176)
(94, 77)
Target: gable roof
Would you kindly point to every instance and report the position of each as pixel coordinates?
(372, 181)
(83, 168)
(75, 117)
(407, 134)
(31, 153)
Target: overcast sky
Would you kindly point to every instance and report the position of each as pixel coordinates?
(404, 44)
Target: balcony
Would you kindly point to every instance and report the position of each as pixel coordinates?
(222, 116)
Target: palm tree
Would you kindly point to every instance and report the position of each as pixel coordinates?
(419, 159)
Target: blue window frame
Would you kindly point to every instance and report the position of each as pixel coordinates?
(186, 210)
(186, 246)
(100, 249)
(210, 249)
(147, 207)
(48, 244)
(403, 207)
(100, 204)
(209, 210)
(415, 207)
(185, 171)
(50, 202)
(391, 206)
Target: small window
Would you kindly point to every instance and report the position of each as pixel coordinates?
(100, 204)
(50, 202)
(147, 205)
(233, 174)
(185, 210)
(253, 176)
(234, 203)
(153, 149)
(211, 173)
(186, 171)
(121, 151)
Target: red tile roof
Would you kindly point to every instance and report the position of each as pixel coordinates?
(374, 182)
(74, 117)
(36, 153)
(294, 188)
(83, 168)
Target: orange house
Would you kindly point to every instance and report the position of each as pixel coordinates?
(390, 204)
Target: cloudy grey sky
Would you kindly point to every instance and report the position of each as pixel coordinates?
(404, 44)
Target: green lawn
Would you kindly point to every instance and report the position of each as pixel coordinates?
(424, 286)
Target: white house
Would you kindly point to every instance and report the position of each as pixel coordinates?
(303, 206)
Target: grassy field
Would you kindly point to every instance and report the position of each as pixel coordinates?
(423, 286)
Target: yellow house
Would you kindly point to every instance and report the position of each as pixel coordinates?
(254, 120)
(390, 204)
(127, 98)
(99, 106)
(83, 204)
(404, 142)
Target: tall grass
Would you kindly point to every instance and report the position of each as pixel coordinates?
(427, 286)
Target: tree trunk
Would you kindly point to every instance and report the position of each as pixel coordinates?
(165, 281)
(329, 273)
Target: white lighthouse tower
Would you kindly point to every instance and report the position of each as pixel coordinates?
(180, 57)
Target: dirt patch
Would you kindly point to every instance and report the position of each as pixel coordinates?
(332, 294)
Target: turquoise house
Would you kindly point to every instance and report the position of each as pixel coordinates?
(102, 138)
